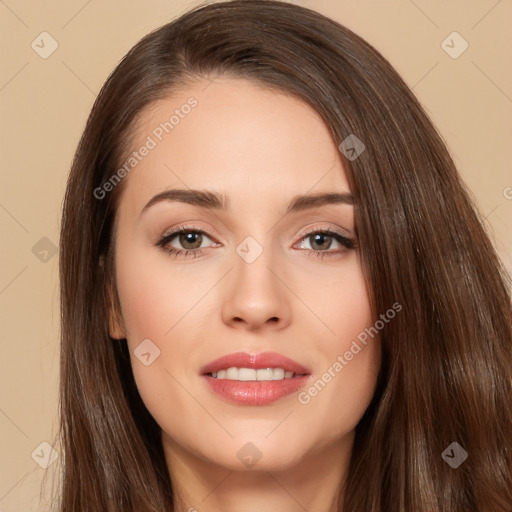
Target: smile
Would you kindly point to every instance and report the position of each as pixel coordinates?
(254, 379)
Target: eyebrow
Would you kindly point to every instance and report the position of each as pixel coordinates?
(216, 201)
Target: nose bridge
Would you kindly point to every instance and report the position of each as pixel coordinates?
(252, 267)
(256, 295)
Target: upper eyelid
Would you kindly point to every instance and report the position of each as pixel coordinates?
(325, 229)
(184, 229)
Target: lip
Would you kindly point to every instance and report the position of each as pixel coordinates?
(255, 392)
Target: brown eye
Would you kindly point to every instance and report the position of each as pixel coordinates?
(190, 240)
(320, 241)
(185, 242)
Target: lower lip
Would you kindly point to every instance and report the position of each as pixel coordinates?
(255, 392)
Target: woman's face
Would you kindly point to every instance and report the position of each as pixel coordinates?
(253, 277)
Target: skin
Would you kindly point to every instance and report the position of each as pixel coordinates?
(260, 148)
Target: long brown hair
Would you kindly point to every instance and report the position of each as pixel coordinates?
(446, 372)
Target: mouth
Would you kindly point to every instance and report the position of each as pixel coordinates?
(254, 379)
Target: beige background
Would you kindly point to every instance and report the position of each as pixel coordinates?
(44, 105)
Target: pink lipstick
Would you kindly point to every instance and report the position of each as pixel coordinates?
(254, 379)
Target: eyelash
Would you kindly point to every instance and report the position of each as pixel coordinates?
(347, 242)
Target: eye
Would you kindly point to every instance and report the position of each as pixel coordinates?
(184, 241)
(320, 242)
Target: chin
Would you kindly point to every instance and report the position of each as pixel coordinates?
(258, 454)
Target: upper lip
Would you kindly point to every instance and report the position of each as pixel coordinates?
(256, 361)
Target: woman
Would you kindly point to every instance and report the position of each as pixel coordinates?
(275, 288)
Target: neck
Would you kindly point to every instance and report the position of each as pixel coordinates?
(312, 484)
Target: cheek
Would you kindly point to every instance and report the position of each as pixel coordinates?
(153, 296)
(344, 384)
(153, 302)
(339, 394)
(158, 305)
(342, 303)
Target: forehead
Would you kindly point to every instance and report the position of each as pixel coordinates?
(236, 137)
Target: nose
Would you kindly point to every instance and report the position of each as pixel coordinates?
(256, 298)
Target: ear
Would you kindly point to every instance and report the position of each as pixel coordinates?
(116, 326)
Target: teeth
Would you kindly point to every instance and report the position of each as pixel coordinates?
(244, 373)
(278, 374)
(250, 374)
(232, 374)
(265, 374)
